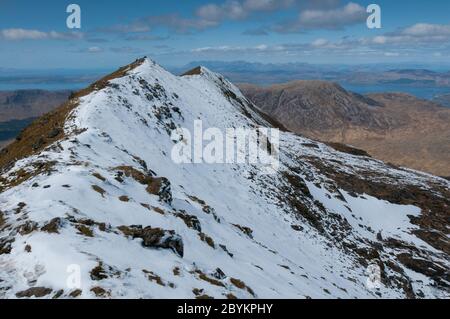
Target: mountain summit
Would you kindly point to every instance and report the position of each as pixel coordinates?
(93, 206)
(394, 127)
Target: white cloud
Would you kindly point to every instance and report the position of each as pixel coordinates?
(381, 39)
(417, 34)
(21, 34)
(261, 48)
(392, 54)
(206, 16)
(351, 13)
(94, 50)
(425, 30)
(334, 18)
(237, 10)
(27, 34)
(318, 43)
(267, 5)
(404, 42)
(135, 27)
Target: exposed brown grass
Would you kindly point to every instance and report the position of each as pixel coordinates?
(53, 226)
(205, 238)
(246, 230)
(154, 277)
(2, 219)
(348, 149)
(98, 272)
(124, 198)
(190, 221)
(176, 271)
(153, 209)
(203, 297)
(88, 223)
(100, 177)
(100, 292)
(37, 292)
(153, 184)
(208, 279)
(99, 190)
(194, 71)
(22, 175)
(84, 230)
(27, 228)
(241, 285)
(76, 293)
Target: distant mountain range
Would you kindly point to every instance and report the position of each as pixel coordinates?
(398, 128)
(425, 81)
(58, 79)
(259, 73)
(24, 104)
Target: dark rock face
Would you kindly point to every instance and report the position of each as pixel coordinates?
(315, 105)
(2, 219)
(159, 238)
(53, 226)
(190, 221)
(156, 238)
(98, 273)
(38, 144)
(219, 274)
(430, 269)
(5, 245)
(161, 187)
(54, 133)
(37, 292)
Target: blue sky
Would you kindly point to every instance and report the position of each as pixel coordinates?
(175, 32)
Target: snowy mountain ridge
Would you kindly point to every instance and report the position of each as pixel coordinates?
(95, 207)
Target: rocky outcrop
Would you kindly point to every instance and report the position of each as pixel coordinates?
(37, 292)
(159, 186)
(156, 238)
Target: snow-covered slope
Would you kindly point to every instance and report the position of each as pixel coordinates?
(103, 197)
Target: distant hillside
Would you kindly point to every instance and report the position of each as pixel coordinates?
(4, 143)
(19, 108)
(297, 105)
(23, 104)
(394, 127)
